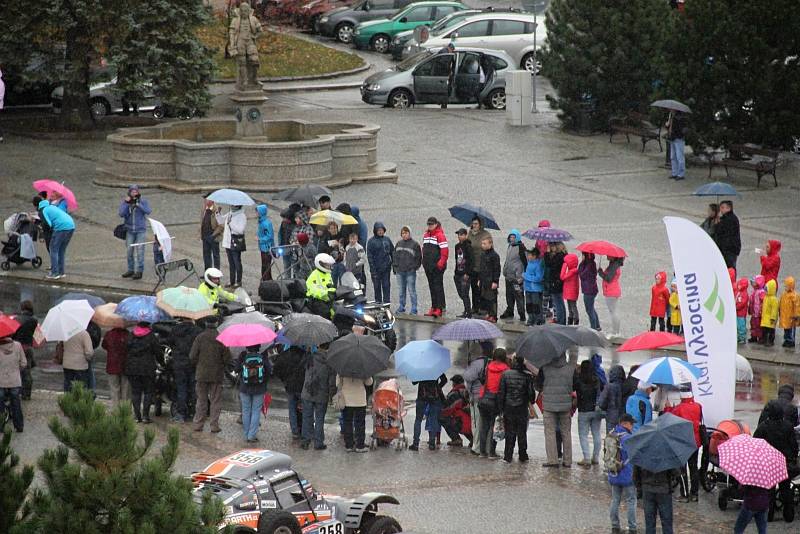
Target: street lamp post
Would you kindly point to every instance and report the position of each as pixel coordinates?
(534, 6)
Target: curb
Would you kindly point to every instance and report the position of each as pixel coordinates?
(326, 76)
(313, 87)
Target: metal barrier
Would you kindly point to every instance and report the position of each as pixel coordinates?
(162, 269)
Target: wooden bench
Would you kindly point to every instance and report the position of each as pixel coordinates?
(635, 123)
(762, 161)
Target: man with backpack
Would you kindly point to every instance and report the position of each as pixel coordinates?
(254, 371)
(620, 473)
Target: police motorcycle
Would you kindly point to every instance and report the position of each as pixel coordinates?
(352, 308)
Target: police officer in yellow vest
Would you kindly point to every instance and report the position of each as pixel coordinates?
(319, 286)
(211, 289)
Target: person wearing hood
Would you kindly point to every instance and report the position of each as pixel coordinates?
(477, 233)
(24, 335)
(769, 314)
(285, 233)
(754, 307)
(557, 381)
(789, 311)
(266, 240)
(434, 260)
(380, 253)
(693, 412)
(514, 272)
(659, 298)
(553, 261)
(12, 362)
(362, 226)
(639, 406)
(133, 209)
(542, 244)
(209, 358)
(771, 260)
(742, 300)
(778, 432)
(610, 400)
(587, 274)
(569, 277)
(210, 234)
(488, 402)
(234, 243)
(612, 290)
(455, 415)
(62, 227)
(515, 395)
(534, 286)
(675, 320)
(140, 368)
(406, 262)
(462, 253)
(727, 234)
(786, 401)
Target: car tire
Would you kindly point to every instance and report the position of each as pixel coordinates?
(159, 112)
(528, 63)
(400, 99)
(379, 524)
(99, 107)
(496, 99)
(344, 32)
(380, 43)
(278, 522)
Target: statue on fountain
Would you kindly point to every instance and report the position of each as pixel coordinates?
(243, 32)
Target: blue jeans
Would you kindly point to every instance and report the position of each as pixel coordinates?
(294, 402)
(314, 422)
(618, 493)
(431, 409)
(407, 282)
(677, 157)
(589, 421)
(745, 515)
(131, 238)
(558, 303)
(14, 395)
(235, 265)
(58, 250)
(184, 390)
(657, 504)
(251, 413)
(588, 303)
(381, 283)
(71, 375)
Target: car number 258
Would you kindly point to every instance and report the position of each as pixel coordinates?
(333, 528)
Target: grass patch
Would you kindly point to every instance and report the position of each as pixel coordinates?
(280, 54)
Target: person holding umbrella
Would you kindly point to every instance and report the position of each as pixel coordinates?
(477, 233)
(62, 226)
(77, 352)
(181, 339)
(209, 357)
(319, 387)
(140, 368)
(12, 362)
(612, 290)
(354, 395)
(556, 382)
(234, 243)
(677, 128)
(515, 394)
(554, 286)
(134, 211)
(24, 335)
(254, 372)
(691, 411)
(429, 404)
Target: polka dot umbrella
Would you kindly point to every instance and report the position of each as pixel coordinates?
(752, 461)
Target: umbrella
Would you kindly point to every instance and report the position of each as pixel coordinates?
(93, 300)
(105, 316)
(327, 216)
(141, 308)
(664, 443)
(716, 189)
(546, 233)
(164, 239)
(603, 248)
(307, 195)
(467, 330)
(231, 197)
(307, 330)
(752, 461)
(667, 370)
(466, 212)
(184, 301)
(744, 371)
(358, 356)
(672, 105)
(51, 186)
(422, 360)
(8, 325)
(253, 317)
(244, 335)
(543, 344)
(66, 319)
(650, 341)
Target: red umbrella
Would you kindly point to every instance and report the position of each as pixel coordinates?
(7, 326)
(650, 341)
(51, 186)
(603, 248)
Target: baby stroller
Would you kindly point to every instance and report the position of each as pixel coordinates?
(20, 245)
(387, 416)
(712, 475)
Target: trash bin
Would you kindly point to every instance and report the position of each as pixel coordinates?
(519, 98)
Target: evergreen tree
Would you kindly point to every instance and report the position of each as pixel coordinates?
(103, 480)
(602, 55)
(14, 484)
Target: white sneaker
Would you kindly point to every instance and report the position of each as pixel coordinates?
(362, 449)
(51, 276)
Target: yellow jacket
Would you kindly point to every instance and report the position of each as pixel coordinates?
(319, 285)
(213, 294)
(769, 309)
(675, 305)
(789, 306)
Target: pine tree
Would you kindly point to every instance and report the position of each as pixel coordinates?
(14, 484)
(601, 55)
(104, 479)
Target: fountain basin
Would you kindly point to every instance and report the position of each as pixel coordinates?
(206, 154)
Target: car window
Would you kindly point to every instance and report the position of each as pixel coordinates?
(400, 4)
(411, 62)
(443, 11)
(418, 14)
(289, 492)
(529, 27)
(437, 66)
(474, 29)
(497, 62)
(470, 64)
(381, 4)
(508, 27)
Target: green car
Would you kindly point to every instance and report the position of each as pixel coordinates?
(378, 34)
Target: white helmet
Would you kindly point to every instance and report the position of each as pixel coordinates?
(324, 262)
(213, 276)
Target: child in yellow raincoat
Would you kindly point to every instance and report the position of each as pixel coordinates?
(675, 309)
(789, 310)
(769, 314)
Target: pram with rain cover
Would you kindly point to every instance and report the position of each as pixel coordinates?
(387, 416)
(711, 475)
(20, 244)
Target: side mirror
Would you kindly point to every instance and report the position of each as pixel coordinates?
(403, 20)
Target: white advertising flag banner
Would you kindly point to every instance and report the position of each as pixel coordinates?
(708, 313)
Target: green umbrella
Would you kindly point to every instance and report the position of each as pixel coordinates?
(184, 302)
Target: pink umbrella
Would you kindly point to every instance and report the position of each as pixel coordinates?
(51, 186)
(752, 461)
(244, 335)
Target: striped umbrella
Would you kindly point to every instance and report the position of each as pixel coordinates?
(467, 330)
(667, 370)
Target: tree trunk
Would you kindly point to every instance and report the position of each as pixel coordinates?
(75, 114)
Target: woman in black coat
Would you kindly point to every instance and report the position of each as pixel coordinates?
(140, 368)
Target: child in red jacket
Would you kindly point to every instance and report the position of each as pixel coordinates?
(659, 298)
(742, 299)
(771, 260)
(569, 276)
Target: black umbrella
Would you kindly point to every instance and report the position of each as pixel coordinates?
(307, 195)
(358, 356)
(542, 344)
(307, 330)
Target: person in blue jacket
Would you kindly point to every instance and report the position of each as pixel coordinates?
(266, 240)
(362, 226)
(134, 211)
(534, 286)
(621, 480)
(639, 406)
(63, 227)
(380, 253)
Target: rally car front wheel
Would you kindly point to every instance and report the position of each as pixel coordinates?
(380, 524)
(279, 522)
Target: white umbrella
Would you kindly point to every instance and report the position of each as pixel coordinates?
(160, 231)
(744, 371)
(66, 319)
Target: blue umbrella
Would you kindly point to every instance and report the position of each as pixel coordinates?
(667, 370)
(466, 212)
(93, 300)
(467, 330)
(716, 189)
(665, 443)
(548, 234)
(231, 197)
(141, 308)
(422, 360)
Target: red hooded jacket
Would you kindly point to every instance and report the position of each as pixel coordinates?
(457, 409)
(659, 296)
(691, 411)
(771, 263)
(494, 371)
(742, 297)
(569, 275)
(434, 249)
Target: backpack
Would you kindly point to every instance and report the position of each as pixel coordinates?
(482, 374)
(612, 453)
(253, 371)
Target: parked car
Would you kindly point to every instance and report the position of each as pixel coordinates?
(309, 13)
(105, 99)
(436, 77)
(378, 34)
(341, 22)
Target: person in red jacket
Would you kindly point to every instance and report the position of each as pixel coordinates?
(115, 343)
(742, 299)
(771, 260)
(659, 298)
(434, 260)
(569, 276)
(691, 411)
(455, 417)
(487, 403)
